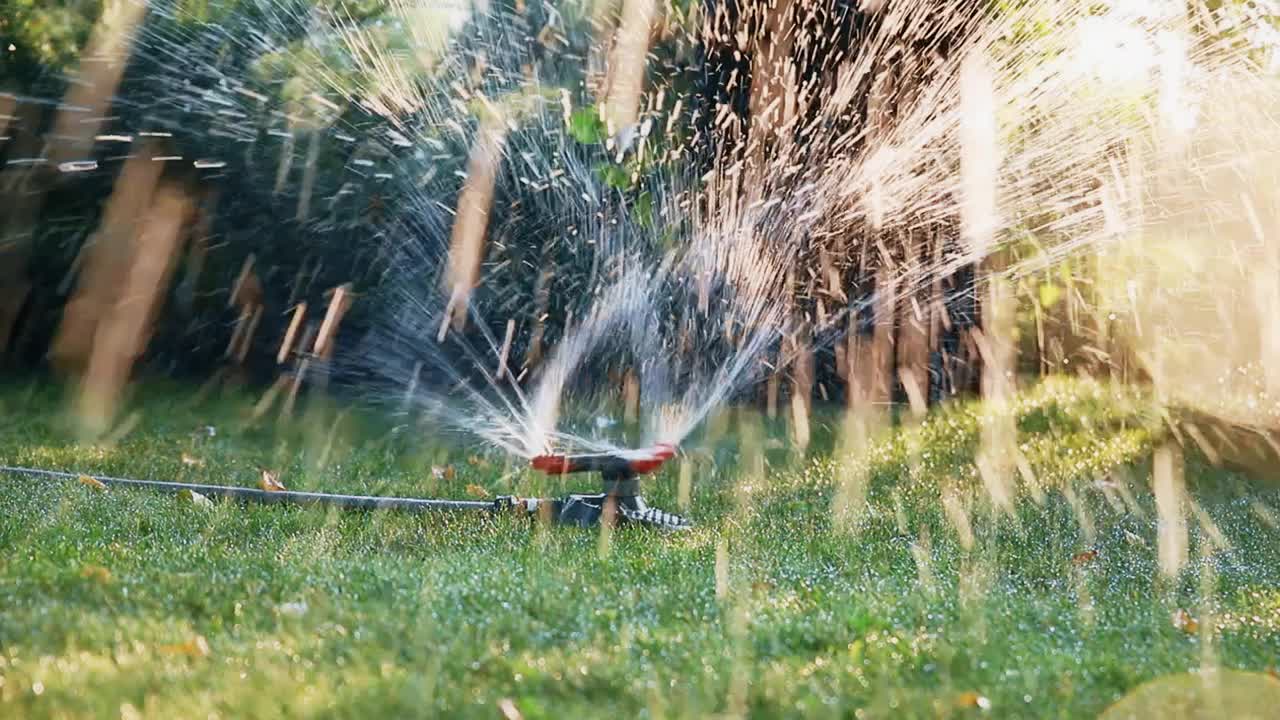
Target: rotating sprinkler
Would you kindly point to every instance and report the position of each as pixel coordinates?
(619, 501)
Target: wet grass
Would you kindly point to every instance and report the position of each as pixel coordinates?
(128, 604)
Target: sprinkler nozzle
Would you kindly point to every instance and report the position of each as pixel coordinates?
(622, 462)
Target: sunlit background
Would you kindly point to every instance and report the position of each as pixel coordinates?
(960, 317)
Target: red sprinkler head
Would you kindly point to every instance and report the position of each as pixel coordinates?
(620, 472)
(553, 464)
(620, 463)
(652, 458)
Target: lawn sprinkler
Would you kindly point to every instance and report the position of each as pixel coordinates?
(617, 503)
(619, 498)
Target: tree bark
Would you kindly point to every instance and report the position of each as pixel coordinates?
(108, 257)
(121, 335)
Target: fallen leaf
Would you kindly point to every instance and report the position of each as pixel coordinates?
(92, 482)
(195, 647)
(1184, 622)
(478, 461)
(96, 573)
(191, 460)
(509, 711)
(973, 700)
(195, 498)
(476, 491)
(270, 482)
(443, 473)
(1083, 558)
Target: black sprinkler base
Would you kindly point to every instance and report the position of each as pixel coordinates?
(591, 510)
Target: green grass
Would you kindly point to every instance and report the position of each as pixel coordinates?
(107, 600)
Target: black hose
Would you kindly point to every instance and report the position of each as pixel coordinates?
(286, 497)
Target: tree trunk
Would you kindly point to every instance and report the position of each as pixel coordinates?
(914, 327)
(467, 241)
(107, 258)
(121, 336)
(628, 63)
(88, 101)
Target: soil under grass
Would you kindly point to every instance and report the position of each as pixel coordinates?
(128, 604)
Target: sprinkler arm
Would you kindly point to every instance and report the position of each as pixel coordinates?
(620, 469)
(637, 462)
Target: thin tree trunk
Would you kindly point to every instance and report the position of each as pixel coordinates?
(628, 63)
(801, 388)
(309, 176)
(102, 64)
(286, 161)
(108, 258)
(467, 244)
(125, 328)
(914, 328)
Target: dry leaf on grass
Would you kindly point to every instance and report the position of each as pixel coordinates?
(191, 461)
(97, 573)
(973, 700)
(270, 482)
(195, 498)
(1184, 622)
(92, 482)
(443, 473)
(1084, 558)
(476, 491)
(195, 647)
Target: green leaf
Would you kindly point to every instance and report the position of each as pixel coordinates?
(614, 176)
(586, 126)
